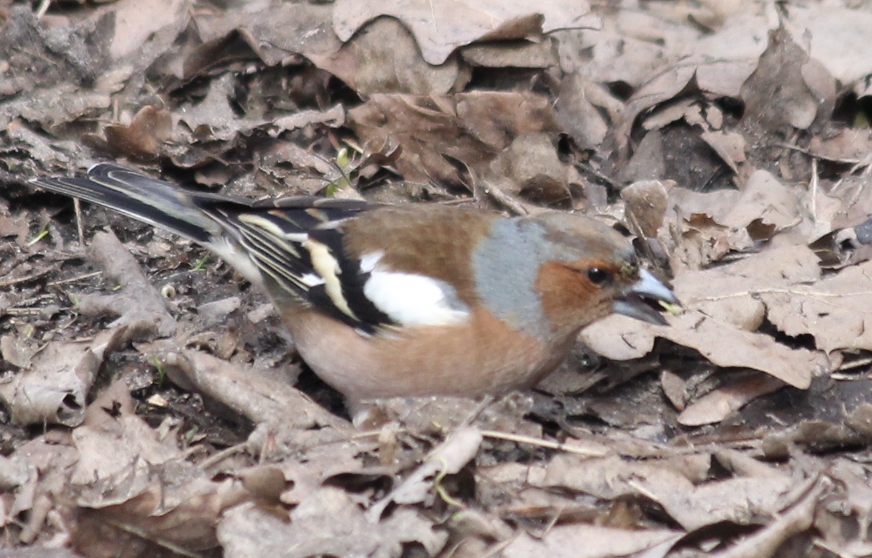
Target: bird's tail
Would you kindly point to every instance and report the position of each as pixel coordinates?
(147, 199)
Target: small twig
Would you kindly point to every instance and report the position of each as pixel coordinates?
(26, 278)
(73, 279)
(542, 443)
(487, 400)
(515, 206)
(598, 175)
(814, 184)
(42, 9)
(851, 365)
(79, 228)
(222, 455)
(643, 491)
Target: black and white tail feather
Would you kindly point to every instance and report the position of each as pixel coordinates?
(293, 244)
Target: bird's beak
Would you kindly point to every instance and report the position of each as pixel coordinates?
(640, 299)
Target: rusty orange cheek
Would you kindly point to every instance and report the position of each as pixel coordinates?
(569, 299)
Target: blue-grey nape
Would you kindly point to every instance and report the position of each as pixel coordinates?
(505, 265)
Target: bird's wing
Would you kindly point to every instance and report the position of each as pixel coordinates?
(292, 244)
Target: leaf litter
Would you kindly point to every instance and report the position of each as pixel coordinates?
(153, 404)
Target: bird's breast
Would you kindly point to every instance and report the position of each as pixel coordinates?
(480, 356)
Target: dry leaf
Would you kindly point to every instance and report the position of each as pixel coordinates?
(440, 28)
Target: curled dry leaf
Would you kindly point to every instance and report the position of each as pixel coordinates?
(837, 310)
(137, 22)
(215, 117)
(775, 95)
(326, 523)
(141, 308)
(17, 351)
(470, 127)
(858, 492)
(674, 388)
(797, 519)
(726, 400)
(788, 283)
(529, 168)
(646, 205)
(439, 28)
(590, 541)
(449, 458)
(275, 32)
(438, 415)
(252, 393)
(161, 516)
(55, 387)
(385, 59)
(838, 38)
(730, 147)
(578, 109)
(333, 117)
(511, 55)
(145, 135)
(735, 499)
(713, 224)
(116, 450)
(742, 464)
(14, 473)
(767, 201)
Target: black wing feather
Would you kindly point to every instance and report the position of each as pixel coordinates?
(272, 232)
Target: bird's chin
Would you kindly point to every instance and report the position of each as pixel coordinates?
(643, 300)
(639, 307)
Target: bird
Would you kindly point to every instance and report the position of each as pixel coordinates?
(404, 300)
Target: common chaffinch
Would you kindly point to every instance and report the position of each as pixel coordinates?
(387, 301)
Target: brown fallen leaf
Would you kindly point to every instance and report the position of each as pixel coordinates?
(789, 523)
(730, 147)
(448, 458)
(145, 135)
(767, 200)
(215, 117)
(775, 95)
(646, 205)
(440, 28)
(383, 58)
(530, 168)
(136, 22)
(838, 38)
(470, 127)
(590, 541)
(257, 395)
(140, 307)
(328, 522)
(276, 33)
(56, 385)
(724, 401)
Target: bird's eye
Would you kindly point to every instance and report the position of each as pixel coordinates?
(598, 276)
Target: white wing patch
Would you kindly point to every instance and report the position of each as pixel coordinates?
(312, 279)
(413, 300)
(368, 261)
